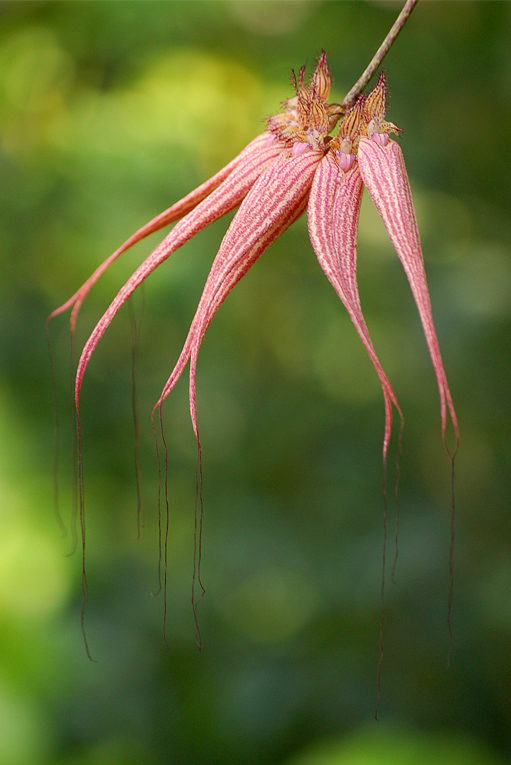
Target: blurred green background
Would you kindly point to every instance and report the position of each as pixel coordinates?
(110, 112)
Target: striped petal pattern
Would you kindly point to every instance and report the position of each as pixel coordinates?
(171, 215)
(384, 174)
(293, 166)
(333, 211)
(224, 198)
(276, 200)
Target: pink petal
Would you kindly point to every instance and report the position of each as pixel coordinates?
(277, 199)
(333, 211)
(384, 173)
(220, 201)
(174, 213)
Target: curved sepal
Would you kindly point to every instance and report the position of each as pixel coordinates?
(276, 200)
(171, 215)
(384, 173)
(225, 198)
(333, 212)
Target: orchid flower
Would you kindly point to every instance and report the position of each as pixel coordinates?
(293, 166)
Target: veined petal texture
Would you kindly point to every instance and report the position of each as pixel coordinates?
(384, 174)
(220, 201)
(276, 200)
(333, 212)
(171, 215)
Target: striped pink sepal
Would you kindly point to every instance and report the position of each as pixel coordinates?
(220, 201)
(259, 145)
(333, 211)
(275, 201)
(384, 174)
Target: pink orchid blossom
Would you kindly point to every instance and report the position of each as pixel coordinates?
(293, 166)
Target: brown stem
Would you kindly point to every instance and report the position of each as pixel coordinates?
(380, 54)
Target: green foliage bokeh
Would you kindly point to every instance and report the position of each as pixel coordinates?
(110, 112)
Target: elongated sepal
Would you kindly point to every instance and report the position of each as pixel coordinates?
(171, 215)
(384, 174)
(223, 199)
(333, 212)
(276, 200)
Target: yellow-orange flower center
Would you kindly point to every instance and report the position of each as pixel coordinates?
(308, 119)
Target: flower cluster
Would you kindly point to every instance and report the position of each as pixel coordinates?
(293, 166)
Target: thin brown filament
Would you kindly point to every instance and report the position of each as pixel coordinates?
(135, 334)
(56, 434)
(78, 481)
(396, 495)
(197, 543)
(384, 553)
(452, 523)
(76, 456)
(382, 619)
(158, 460)
(56, 445)
(167, 518)
(81, 488)
(451, 566)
